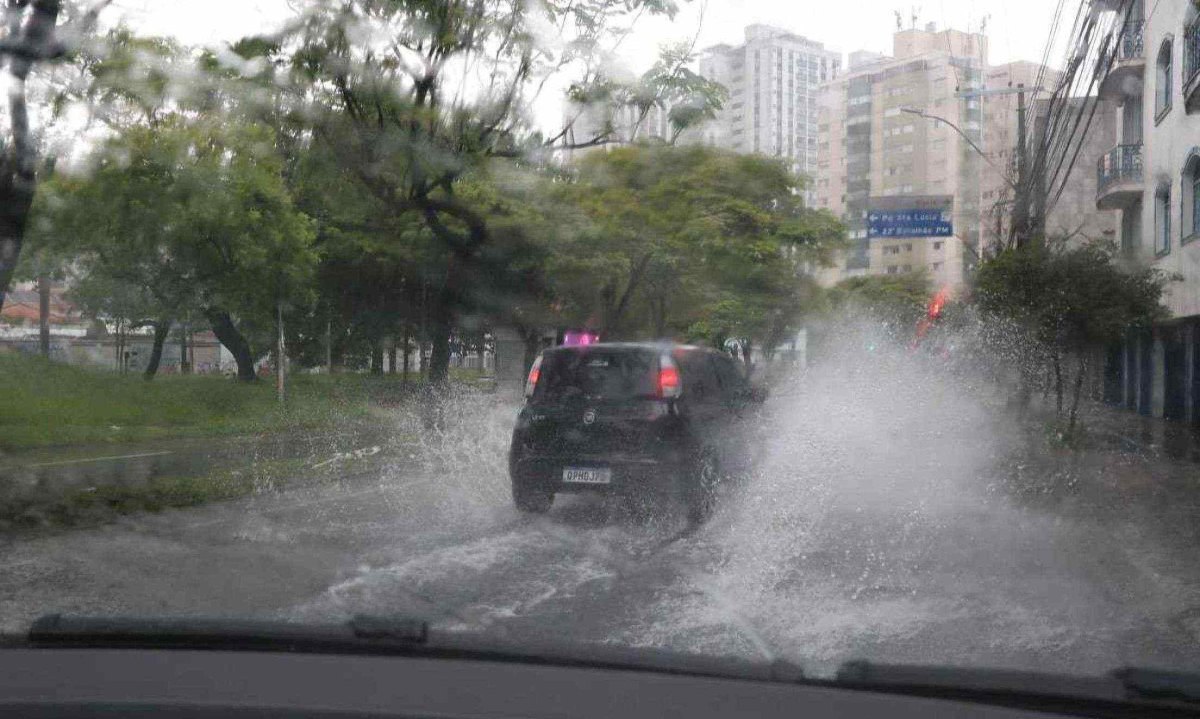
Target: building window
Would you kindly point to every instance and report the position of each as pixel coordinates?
(1162, 220)
(908, 247)
(936, 266)
(892, 269)
(1189, 197)
(1162, 88)
(908, 268)
(938, 245)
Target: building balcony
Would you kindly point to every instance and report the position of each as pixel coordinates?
(1125, 75)
(1191, 65)
(1119, 177)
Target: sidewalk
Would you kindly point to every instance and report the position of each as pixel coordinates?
(59, 485)
(1158, 438)
(1132, 471)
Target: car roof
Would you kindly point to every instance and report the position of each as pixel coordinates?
(652, 346)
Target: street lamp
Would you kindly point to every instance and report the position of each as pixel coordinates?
(978, 151)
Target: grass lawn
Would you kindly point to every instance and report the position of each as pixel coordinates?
(48, 404)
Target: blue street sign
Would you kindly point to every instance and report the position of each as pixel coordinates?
(909, 223)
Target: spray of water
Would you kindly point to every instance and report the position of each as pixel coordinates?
(873, 462)
(877, 524)
(460, 442)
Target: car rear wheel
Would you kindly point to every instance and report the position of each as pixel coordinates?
(534, 500)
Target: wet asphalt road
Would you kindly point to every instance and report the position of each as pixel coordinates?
(879, 525)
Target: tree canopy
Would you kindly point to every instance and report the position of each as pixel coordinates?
(194, 215)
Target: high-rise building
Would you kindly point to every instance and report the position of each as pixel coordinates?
(883, 137)
(773, 79)
(1151, 175)
(616, 124)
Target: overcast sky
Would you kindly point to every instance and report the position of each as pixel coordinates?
(1017, 29)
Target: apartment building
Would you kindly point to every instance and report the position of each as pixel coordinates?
(883, 136)
(618, 124)
(773, 80)
(1151, 176)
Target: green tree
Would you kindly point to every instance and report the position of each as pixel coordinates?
(382, 80)
(898, 301)
(195, 214)
(687, 240)
(1065, 300)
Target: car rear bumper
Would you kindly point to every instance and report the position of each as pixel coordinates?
(629, 475)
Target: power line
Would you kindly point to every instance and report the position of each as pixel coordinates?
(1049, 42)
(1106, 53)
(1070, 114)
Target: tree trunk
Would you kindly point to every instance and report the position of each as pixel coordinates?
(407, 340)
(1025, 389)
(393, 365)
(532, 341)
(439, 338)
(16, 180)
(161, 329)
(377, 356)
(118, 362)
(1058, 384)
(328, 343)
(1078, 391)
(746, 358)
(659, 306)
(229, 335)
(280, 356)
(616, 307)
(184, 363)
(43, 285)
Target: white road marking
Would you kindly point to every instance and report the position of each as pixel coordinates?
(100, 459)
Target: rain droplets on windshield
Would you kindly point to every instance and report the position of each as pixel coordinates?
(860, 336)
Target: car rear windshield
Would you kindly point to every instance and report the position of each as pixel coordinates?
(598, 373)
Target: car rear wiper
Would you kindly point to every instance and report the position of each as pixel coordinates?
(369, 634)
(1151, 693)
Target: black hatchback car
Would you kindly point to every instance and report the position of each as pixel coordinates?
(646, 421)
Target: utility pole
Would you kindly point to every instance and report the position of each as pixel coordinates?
(1020, 228)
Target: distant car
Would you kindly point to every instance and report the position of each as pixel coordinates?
(642, 420)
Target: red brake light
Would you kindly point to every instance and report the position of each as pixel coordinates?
(668, 378)
(535, 372)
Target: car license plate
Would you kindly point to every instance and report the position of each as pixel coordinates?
(587, 475)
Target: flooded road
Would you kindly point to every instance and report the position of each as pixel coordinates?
(878, 525)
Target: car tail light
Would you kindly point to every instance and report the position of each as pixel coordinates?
(535, 372)
(668, 378)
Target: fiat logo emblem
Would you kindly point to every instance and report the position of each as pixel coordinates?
(589, 416)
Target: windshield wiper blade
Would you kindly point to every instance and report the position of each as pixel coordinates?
(367, 634)
(1151, 693)
(206, 632)
(1158, 684)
